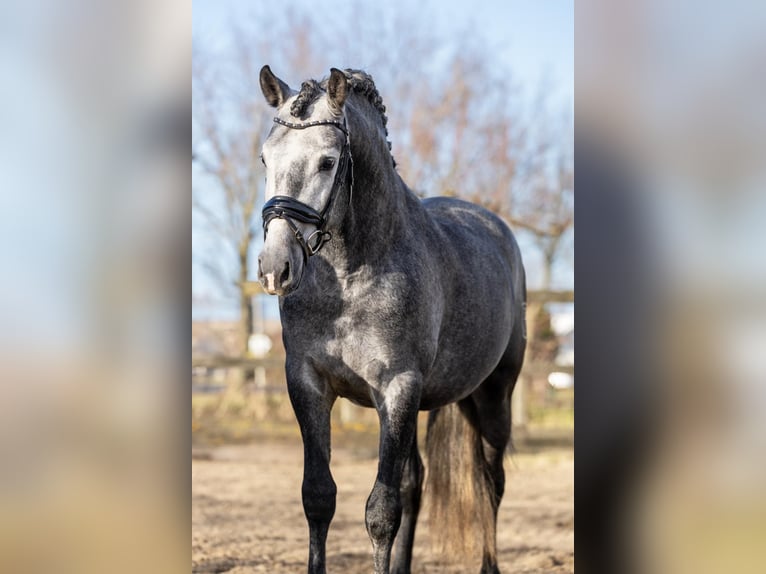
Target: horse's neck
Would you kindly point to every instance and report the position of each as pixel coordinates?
(381, 206)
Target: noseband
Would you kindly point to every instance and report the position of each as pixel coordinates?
(291, 210)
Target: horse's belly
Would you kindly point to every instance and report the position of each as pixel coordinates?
(441, 389)
(465, 358)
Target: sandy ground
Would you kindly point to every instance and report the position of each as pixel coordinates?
(247, 514)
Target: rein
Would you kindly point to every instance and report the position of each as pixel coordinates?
(290, 209)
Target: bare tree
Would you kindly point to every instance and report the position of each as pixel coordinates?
(228, 132)
(230, 121)
(544, 203)
(532, 182)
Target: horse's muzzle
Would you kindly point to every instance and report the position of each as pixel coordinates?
(276, 279)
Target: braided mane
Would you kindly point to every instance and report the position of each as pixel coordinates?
(359, 82)
(310, 90)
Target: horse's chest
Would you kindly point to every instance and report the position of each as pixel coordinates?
(356, 341)
(358, 345)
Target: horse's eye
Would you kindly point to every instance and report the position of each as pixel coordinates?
(327, 163)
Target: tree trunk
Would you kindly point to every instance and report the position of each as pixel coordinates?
(547, 272)
(549, 248)
(245, 306)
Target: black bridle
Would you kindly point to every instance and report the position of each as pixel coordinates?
(291, 210)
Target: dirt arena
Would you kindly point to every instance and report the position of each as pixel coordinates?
(247, 514)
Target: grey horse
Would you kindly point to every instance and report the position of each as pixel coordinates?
(396, 304)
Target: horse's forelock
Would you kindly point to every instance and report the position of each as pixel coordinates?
(310, 91)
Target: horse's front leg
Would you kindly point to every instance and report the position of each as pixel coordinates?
(312, 400)
(397, 405)
(410, 492)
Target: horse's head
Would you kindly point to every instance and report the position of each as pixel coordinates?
(307, 159)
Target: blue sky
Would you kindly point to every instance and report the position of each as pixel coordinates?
(534, 37)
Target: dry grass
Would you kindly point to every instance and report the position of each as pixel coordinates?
(237, 417)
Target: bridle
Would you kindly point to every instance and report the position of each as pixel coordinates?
(291, 210)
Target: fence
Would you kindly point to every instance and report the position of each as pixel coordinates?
(546, 417)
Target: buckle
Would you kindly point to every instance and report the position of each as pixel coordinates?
(316, 240)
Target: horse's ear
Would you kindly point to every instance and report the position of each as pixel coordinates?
(274, 90)
(337, 88)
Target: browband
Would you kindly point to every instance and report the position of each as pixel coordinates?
(340, 125)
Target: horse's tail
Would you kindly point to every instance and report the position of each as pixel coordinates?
(458, 486)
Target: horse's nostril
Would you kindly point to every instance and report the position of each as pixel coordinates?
(260, 269)
(285, 277)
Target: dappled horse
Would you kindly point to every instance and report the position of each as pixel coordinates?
(396, 304)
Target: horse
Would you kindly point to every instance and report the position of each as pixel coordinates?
(397, 304)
